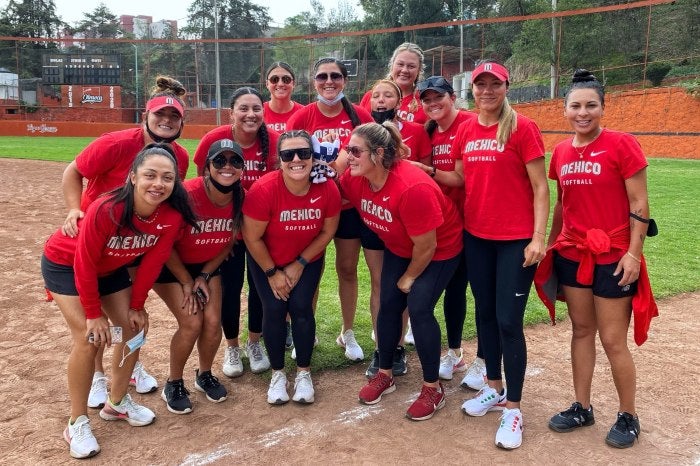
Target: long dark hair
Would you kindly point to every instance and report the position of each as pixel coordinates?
(347, 106)
(263, 135)
(178, 199)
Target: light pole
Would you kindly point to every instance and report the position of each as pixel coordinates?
(136, 79)
(461, 38)
(216, 52)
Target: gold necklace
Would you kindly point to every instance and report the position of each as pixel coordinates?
(152, 217)
(583, 148)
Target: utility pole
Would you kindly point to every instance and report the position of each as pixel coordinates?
(216, 52)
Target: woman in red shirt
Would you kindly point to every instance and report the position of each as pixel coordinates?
(191, 277)
(406, 67)
(421, 230)
(280, 83)
(288, 222)
(104, 163)
(500, 161)
(601, 195)
(438, 99)
(331, 118)
(88, 279)
(248, 130)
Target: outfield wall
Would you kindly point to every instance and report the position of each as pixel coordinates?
(665, 120)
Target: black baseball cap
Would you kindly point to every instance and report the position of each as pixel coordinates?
(435, 83)
(224, 145)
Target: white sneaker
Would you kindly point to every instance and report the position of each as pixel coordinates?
(353, 351)
(476, 375)
(79, 436)
(277, 393)
(510, 432)
(303, 388)
(451, 363)
(257, 356)
(488, 399)
(142, 380)
(233, 366)
(408, 338)
(98, 391)
(294, 351)
(127, 410)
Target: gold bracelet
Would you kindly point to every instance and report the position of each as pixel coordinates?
(630, 254)
(540, 233)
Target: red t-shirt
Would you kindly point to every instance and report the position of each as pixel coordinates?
(278, 121)
(293, 221)
(102, 247)
(252, 155)
(416, 138)
(216, 224)
(593, 185)
(499, 201)
(443, 156)
(409, 204)
(404, 112)
(314, 122)
(106, 162)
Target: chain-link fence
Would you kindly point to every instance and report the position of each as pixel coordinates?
(629, 47)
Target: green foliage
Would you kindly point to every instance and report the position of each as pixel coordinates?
(98, 24)
(656, 72)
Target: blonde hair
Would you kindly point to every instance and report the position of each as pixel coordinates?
(386, 136)
(507, 122)
(415, 49)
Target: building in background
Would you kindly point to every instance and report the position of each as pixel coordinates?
(143, 27)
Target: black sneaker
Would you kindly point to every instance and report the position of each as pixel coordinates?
(289, 341)
(207, 383)
(400, 367)
(373, 367)
(574, 417)
(624, 432)
(175, 396)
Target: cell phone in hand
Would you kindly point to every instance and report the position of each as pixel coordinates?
(115, 331)
(201, 297)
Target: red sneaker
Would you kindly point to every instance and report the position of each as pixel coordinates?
(375, 388)
(430, 400)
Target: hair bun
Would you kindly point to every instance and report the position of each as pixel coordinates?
(583, 76)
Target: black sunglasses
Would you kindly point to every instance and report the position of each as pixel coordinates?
(434, 81)
(274, 79)
(220, 161)
(323, 77)
(287, 155)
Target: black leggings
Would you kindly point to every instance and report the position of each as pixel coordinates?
(500, 285)
(232, 270)
(300, 310)
(455, 305)
(421, 301)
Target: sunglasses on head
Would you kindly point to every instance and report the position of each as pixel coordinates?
(323, 77)
(221, 160)
(435, 81)
(356, 151)
(274, 79)
(287, 155)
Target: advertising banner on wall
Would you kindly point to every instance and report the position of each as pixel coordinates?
(76, 96)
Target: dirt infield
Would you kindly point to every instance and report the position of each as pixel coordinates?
(34, 344)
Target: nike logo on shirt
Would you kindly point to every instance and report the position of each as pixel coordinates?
(453, 136)
(258, 153)
(404, 140)
(385, 198)
(314, 199)
(595, 154)
(160, 227)
(345, 122)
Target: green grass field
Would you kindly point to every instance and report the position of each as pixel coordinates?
(673, 255)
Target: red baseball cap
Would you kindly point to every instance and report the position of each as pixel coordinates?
(495, 69)
(163, 101)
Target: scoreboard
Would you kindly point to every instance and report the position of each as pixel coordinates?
(95, 69)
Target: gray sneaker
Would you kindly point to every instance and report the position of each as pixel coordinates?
(257, 356)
